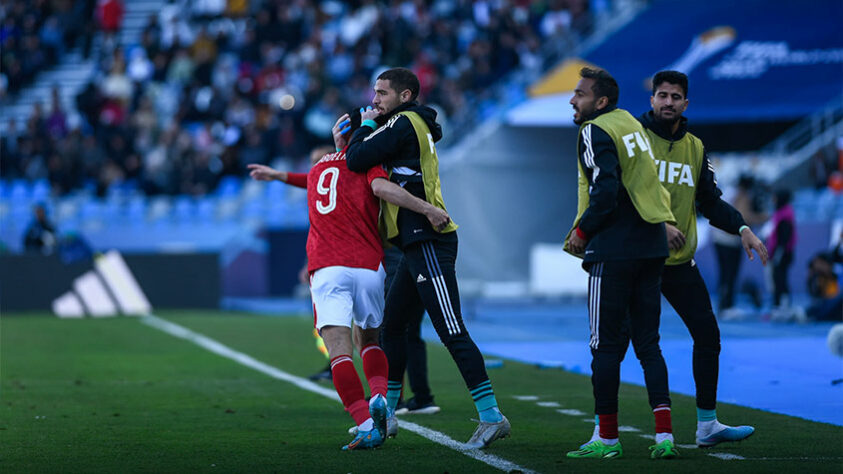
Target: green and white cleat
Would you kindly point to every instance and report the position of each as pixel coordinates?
(598, 449)
(663, 450)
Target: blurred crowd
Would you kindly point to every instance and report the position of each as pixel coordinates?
(215, 85)
(34, 34)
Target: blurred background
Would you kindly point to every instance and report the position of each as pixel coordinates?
(129, 125)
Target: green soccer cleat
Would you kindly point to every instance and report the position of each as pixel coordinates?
(597, 449)
(663, 450)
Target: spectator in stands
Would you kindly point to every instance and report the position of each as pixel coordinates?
(110, 17)
(781, 244)
(40, 236)
(246, 56)
(824, 285)
(749, 202)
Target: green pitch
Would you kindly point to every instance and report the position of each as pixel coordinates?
(116, 395)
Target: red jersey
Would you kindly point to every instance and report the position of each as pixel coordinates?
(343, 215)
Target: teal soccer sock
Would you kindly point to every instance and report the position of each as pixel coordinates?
(706, 415)
(486, 403)
(393, 394)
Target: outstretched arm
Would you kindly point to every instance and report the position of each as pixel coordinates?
(391, 192)
(265, 173)
(722, 215)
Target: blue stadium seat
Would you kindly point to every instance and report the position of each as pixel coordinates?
(206, 210)
(20, 191)
(275, 191)
(229, 186)
(40, 190)
(184, 209)
(92, 209)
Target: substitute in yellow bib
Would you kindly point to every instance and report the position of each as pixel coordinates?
(687, 174)
(619, 232)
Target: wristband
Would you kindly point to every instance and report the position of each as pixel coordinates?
(369, 123)
(741, 228)
(581, 234)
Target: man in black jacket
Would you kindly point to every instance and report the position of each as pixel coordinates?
(619, 232)
(400, 135)
(688, 175)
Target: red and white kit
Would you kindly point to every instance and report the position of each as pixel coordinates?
(344, 250)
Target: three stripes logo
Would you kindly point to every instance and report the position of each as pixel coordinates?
(107, 290)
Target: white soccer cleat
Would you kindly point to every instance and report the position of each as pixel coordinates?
(487, 433)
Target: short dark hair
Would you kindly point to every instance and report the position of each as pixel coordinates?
(671, 77)
(604, 84)
(400, 79)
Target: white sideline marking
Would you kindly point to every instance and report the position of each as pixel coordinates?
(243, 359)
(526, 398)
(727, 456)
(571, 412)
(548, 404)
(687, 446)
(629, 429)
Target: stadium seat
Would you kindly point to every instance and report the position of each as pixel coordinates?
(20, 191)
(40, 190)
(229, 186)
(206, 211)
(184, 210)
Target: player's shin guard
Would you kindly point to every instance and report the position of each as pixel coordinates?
(376, 368)
(349, 388)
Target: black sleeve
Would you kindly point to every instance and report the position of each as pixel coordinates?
(719, 213)
(597, 152)
(368, 147)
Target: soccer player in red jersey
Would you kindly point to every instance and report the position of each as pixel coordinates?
(345, 254)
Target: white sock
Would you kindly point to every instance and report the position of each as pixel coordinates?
(609, 442)
(367, 425)
(705, 428)
(663, 436)
(596, 434)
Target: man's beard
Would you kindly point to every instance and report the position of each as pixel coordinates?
(668, 121)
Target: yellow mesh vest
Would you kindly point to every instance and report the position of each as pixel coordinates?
(638, 169)
(430, 177)
(678, 164)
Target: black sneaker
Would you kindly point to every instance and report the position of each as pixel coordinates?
(413, 407)
(401, 409)
(324, 374)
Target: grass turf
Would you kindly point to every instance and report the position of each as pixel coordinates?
(115, 395)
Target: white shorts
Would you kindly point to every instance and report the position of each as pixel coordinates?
(344, 294)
